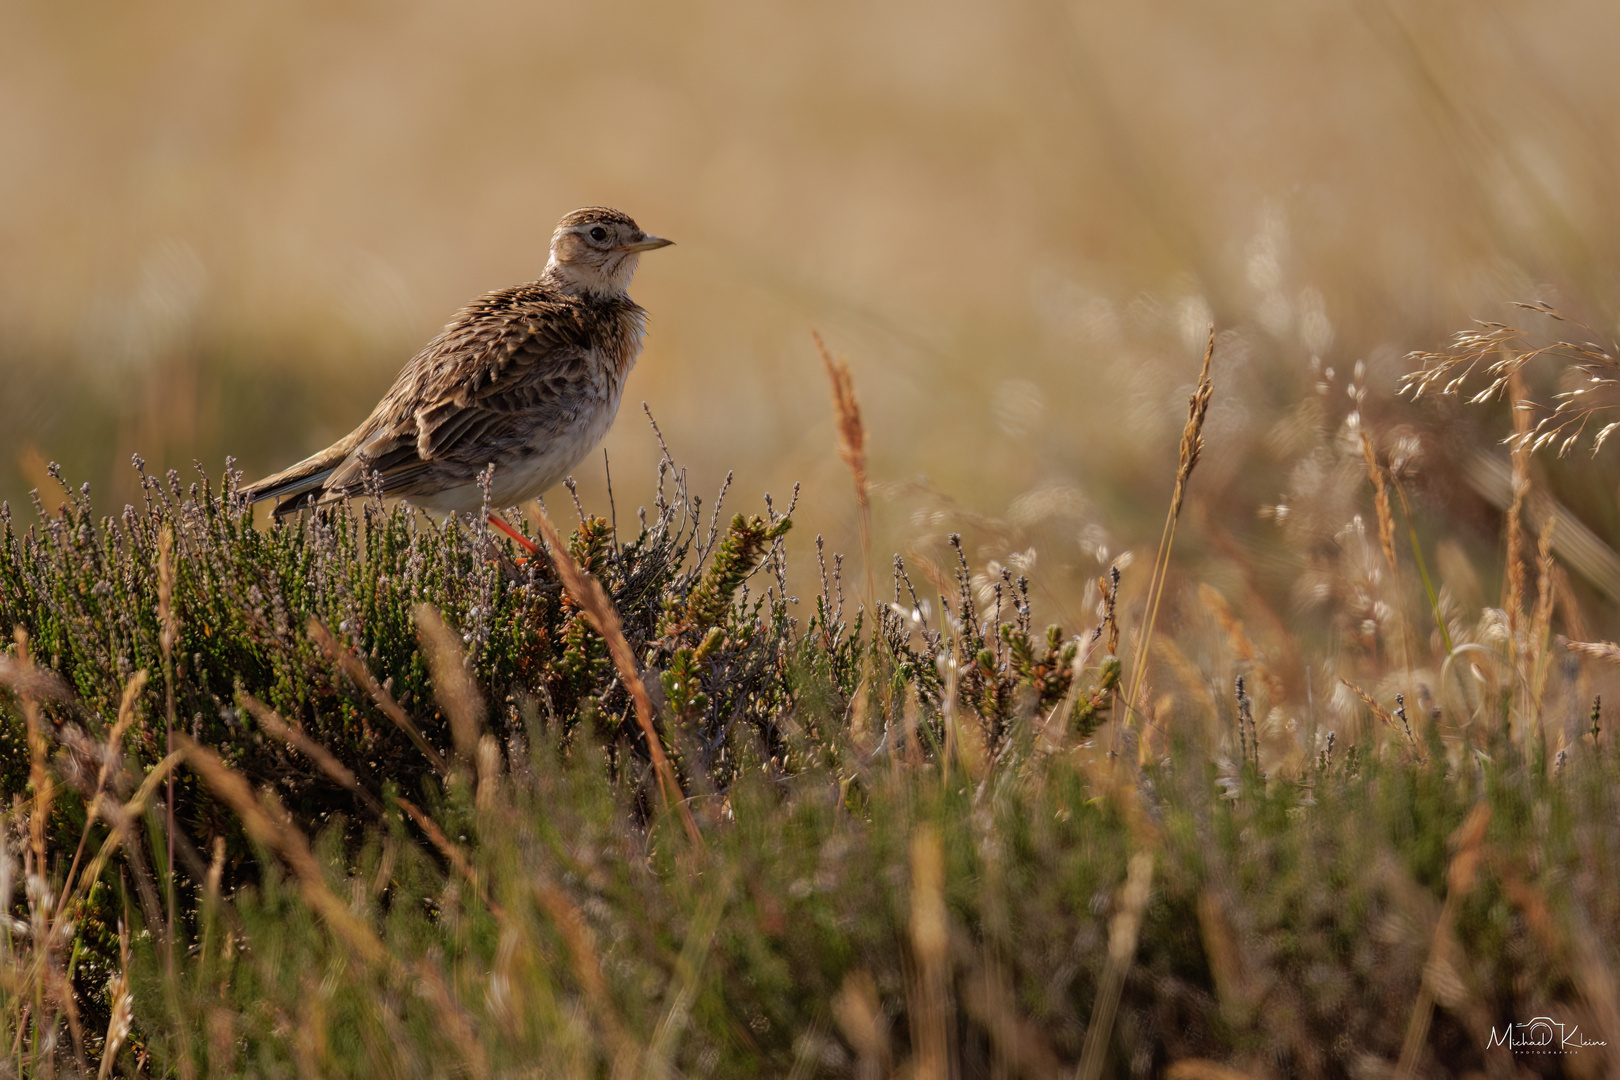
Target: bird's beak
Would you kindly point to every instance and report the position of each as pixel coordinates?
(646, 243)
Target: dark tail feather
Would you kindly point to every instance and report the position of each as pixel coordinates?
(296, 488)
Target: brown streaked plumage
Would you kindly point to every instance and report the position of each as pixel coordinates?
(526, 378)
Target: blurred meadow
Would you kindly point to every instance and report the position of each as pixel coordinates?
(224, 229)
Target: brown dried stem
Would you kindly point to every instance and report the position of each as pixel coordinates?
(1192, 446)
(851, 444)
(604, 617)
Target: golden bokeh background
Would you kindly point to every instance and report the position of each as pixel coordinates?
(224, 227)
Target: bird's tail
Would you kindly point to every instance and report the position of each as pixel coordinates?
(303, 485)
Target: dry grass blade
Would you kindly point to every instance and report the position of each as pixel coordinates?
(1386, 518)
(1467, 843)
(684, 988)
(1123, 931)
(1541, 614)
(1384, 714)
(989, 998)
(452, 684)
(930, 944)
(450, 851)
(294, 737)
(1597, 650)
(1583, 550)
(587, 964)
(111, 762)
(851, 444)
(282, 838)
(354, 669)
(1192, 447)
(858, 1010)
(39, 777)
(168, 635)
(1576, 942)
(587, 593)
(122, 1013)
(1513, 598)
(1224, 951)
(122, 818)
(26, 679)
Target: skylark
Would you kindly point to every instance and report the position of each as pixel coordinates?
(526, 379)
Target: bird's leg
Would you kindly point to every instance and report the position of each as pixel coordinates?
(522, 541)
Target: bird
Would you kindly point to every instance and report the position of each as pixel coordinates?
(526, 379)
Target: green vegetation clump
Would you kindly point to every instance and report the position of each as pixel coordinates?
(918, 844)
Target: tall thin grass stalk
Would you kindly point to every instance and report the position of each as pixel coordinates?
(1467, 843)
(1541, 614)
(453, 686)
(604, 617)
(1422, 565)
(281, 836)
(930, 944)
(111, 759)
(42, 973)
(122, 1013)
(684, 987)
(1123, 930)
(1192, 446)
(1513, 594)
(1386, 543)
(453, 854)
(1383, 714)
(851, 446)
(169, 633)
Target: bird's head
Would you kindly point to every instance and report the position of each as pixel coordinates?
(594, 250)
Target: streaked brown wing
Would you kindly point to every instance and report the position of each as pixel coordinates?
(501, 374)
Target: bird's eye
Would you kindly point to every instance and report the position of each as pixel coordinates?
(599, 234)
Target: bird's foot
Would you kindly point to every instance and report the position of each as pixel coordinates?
(522, 541)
